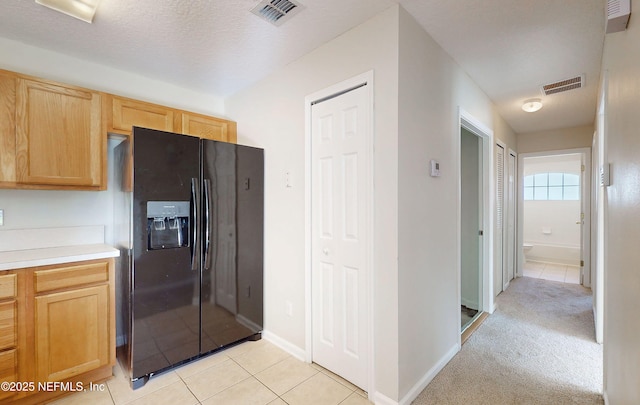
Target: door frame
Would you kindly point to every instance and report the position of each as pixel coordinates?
(366, 80)
(473, 125)
(585, 206)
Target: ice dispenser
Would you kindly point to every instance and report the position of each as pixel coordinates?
(167, 224)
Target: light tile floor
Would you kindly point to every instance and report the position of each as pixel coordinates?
(250, 373)
(551, 271)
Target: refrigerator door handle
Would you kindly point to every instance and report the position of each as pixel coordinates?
(195, 194)
(207, 221)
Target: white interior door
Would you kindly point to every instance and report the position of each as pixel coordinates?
(585, 227)
(340, 176)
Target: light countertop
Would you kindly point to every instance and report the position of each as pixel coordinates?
(17, 259)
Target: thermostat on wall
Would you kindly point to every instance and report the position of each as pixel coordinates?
(605, 176)
(435, 168)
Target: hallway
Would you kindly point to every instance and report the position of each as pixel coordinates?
(537, 348)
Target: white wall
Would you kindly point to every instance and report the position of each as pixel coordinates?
(622, 204)
(558, 139)
(271, 115)
(431, 89)
(503, 132)
(43, 209)
(46, 64)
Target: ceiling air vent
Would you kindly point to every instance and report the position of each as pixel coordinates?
(277, 11)
(563, 85)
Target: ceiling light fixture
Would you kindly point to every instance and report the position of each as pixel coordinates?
(532, 105)
(81, 9)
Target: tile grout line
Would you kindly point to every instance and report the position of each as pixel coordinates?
(189, 389)
(273, 365)
(299, 384)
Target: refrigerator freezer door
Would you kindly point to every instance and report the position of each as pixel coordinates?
(228, 282)
(250, 231)
(165, 300)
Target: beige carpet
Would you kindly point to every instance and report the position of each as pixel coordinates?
(537, 348)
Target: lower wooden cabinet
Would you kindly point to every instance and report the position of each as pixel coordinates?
(57, 324)
(72, 332)
(8, 371)
(8, 333)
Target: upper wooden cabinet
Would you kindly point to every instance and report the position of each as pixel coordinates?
(58, 137)
(122, 114)
(7, 128)
(208, 127)
(50, 135)
(126, 113)
(54, 135)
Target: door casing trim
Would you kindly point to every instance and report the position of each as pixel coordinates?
(473, 125)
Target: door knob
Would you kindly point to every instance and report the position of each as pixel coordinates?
(578, 222)
(325, 251)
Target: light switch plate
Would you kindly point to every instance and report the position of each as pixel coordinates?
(1, 217)
(435, 168)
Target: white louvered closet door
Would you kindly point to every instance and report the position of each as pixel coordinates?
(498, 256)
(511, 218)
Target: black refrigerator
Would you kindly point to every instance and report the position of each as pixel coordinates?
(192, 276)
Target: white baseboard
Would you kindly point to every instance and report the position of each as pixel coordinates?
(285, 345)
(430, 375)
(380, 399)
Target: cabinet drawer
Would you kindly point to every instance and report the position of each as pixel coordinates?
(7, 286)
(8, 370)
(7, 325)
(70, 276)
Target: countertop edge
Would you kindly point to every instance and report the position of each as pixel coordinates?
(19, 259)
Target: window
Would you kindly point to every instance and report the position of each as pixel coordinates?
(552, 186)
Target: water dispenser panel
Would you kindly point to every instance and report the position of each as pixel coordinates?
(167, 224)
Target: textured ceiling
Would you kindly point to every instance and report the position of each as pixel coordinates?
(508, 47)
(512, 47)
